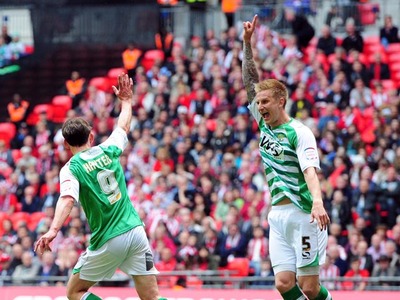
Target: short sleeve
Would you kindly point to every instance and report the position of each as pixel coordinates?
(306, 149)
(254, 111)
(69, 185)
(117, 138)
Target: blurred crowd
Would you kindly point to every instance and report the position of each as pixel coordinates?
(193, 168)
(11, 47)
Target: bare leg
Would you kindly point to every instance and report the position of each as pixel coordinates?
(77, 287)
(146, 287)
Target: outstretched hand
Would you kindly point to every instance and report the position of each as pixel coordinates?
(248, 29)
(319, 214)
(124, 91)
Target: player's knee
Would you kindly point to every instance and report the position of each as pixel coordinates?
(284, 284)
(310, 289)
(73, 293)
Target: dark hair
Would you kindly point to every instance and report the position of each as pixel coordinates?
(76, 131)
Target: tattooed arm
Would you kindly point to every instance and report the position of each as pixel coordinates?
(249, 70)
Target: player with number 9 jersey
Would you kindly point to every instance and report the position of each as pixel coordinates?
(96, 178)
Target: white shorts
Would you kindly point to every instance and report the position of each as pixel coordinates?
(130, 252)
(295, 244)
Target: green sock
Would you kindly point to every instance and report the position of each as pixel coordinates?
(92, 297)
(162, 298)
(294, 294)
(323, 294)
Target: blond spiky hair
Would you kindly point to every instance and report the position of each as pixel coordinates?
(278, 89)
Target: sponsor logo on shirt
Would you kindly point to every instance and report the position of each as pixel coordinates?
(311, 153)
(271, 146)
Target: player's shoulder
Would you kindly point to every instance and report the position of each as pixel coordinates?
(66, 168)
(299, 126)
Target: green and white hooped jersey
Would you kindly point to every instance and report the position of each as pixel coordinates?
(286, 151)
(95, 178)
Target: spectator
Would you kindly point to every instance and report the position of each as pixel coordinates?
(377, 247)
(300, 102)
(337, 96)
(48, 268)
(17, 48)
(383, 269)
(30, 201)
(364, 199)
(355, 272)
(390, 251)
(164, 41)
(389, 33)
(389, 197)
(17, 109)
(27, 161)
(328, 116)
(291, 50)
(131, 58)
(366, 260)
(257, 250)
(232, 245)
(8, 200)
(328, 272)
(378, 70)
(339, 209)
(333, 252)
(9, 235)
(303, 31)
(5, 51)
(4, 32)
(360, 96)
(353, 39)
(26, 272)
(167, 263)
(326, 42)
(185, 193)
(16, 258)
(358, 71)
(75, 87)
(18, 140)
(6, 157)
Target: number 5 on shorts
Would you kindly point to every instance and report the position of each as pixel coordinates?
(306, 247)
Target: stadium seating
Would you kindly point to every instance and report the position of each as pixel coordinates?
(33, 117)
(393, 48)
(150, 57)
(34, 219)
(61, 104)
(113, 74)
(101, 83)
(18, 217)
(16, 155)
(388, 84)
(368, 13)
(7, 132)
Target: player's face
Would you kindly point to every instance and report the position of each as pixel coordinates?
(269, 107)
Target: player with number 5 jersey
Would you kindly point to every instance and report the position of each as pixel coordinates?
(297, 220)
(94, 177)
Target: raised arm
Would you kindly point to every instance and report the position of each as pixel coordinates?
(249, 70)
(125, 94)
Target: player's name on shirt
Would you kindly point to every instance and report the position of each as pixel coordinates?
(100, 162)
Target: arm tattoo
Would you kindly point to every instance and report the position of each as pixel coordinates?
(249, 72)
